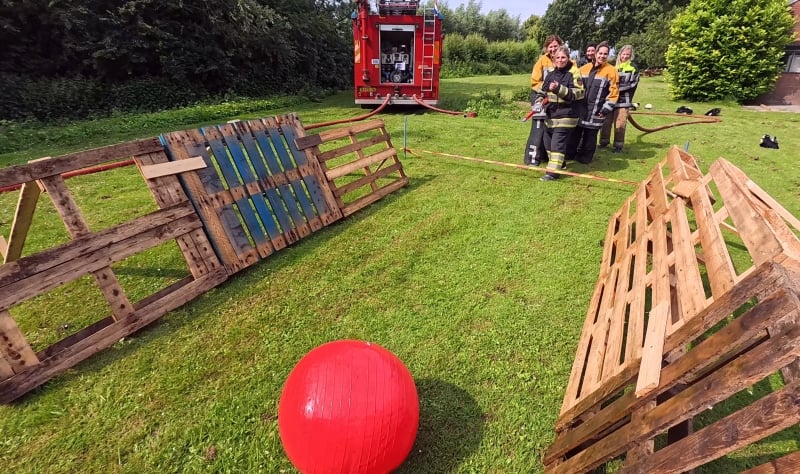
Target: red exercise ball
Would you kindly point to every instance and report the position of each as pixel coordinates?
(348, 407)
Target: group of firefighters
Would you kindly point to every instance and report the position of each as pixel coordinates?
(573, 103)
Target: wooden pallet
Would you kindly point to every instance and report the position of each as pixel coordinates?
(92, 253)
(674, 328)
(258, 192)
(359, 162)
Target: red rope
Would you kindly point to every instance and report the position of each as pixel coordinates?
(81, 172)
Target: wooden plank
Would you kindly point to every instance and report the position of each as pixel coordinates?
(719, 268)
(770, 202)
(172, 167)
(754, 229)
(352, 147)
(235, 185)
(283, 224)
(337, 133)
(353, 166)
(284, 191)
(360, 156)
(19, 174)
(636, 328)
(783, 465)
(23, 217)
(688, 280)
(14, 349)
(225, 230)
(741, 331)
(3, 247)
(275, 133)
(764, 417)
(167, 191)
(14, 387)
(31, 276)
(364, 180)
(77, 227)
(314, 180)
(653, 354)
(371, 198)
(739, 374)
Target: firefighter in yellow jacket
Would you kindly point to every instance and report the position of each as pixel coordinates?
(601, 81)
(534, 149)
(560, 95)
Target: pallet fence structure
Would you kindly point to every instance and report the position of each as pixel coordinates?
(675, 327)
(228, 195)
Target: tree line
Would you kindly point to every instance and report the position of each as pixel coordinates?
(71, 58)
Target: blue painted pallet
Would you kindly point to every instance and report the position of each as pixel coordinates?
(235, 186)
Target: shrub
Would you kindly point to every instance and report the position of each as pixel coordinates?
(724, 48)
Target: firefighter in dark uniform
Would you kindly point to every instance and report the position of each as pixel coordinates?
(534, 149)
(628, 82)
(562, 90)
(602, 92)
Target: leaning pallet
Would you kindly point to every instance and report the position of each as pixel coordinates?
(678, 324)
(227, 195)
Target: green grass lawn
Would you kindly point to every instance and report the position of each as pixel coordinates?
(477, 276)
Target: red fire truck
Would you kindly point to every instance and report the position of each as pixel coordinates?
(397, 52)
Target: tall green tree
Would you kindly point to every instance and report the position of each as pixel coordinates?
(573, 20)
(651, 44)
(728, 48)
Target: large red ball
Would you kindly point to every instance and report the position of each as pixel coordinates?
(348, 407)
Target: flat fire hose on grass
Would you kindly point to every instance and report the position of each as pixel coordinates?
(522, 167)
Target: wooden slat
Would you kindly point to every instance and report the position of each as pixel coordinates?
(3, 247)
(172, 167)
(753, 227)
(650, 369)
(742, 372)
(688, 281)
(764, 417)
(23, 217)
(16, 386)
(31, 276)
(276, 134)
(353, 166)
(223, 226)
(719, 267)
(353, 185)
(18, 174)
(315, 181)
(773, 204)
(167, 191)
(706, 354)
(371, 198)
(357, 145)
(786, 464)
(337, 133)
(77, 227)
(14, 349)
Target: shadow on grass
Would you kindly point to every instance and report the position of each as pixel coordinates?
(450, 428)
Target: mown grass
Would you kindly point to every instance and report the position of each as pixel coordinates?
(478, 277)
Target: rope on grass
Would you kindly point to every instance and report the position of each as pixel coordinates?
(522, 167)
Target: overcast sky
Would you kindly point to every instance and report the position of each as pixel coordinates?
(523, 8)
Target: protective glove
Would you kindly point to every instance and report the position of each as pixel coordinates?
(536, 107)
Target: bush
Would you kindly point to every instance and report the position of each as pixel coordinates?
(724, 48)
(476, 48)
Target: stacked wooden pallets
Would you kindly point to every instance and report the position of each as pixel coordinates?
(674, 327)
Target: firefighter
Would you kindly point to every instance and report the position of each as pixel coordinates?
(602, 92)
(628, 81)
(534, 149)
(562, 90)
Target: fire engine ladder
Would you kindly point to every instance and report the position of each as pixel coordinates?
(428, 48)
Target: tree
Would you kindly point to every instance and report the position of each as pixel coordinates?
(621, 18)
(651, 44)
(573, 20)
(728, 48)
(532, 28)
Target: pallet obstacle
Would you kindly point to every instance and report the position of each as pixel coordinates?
(696, 302)
(228, 195)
